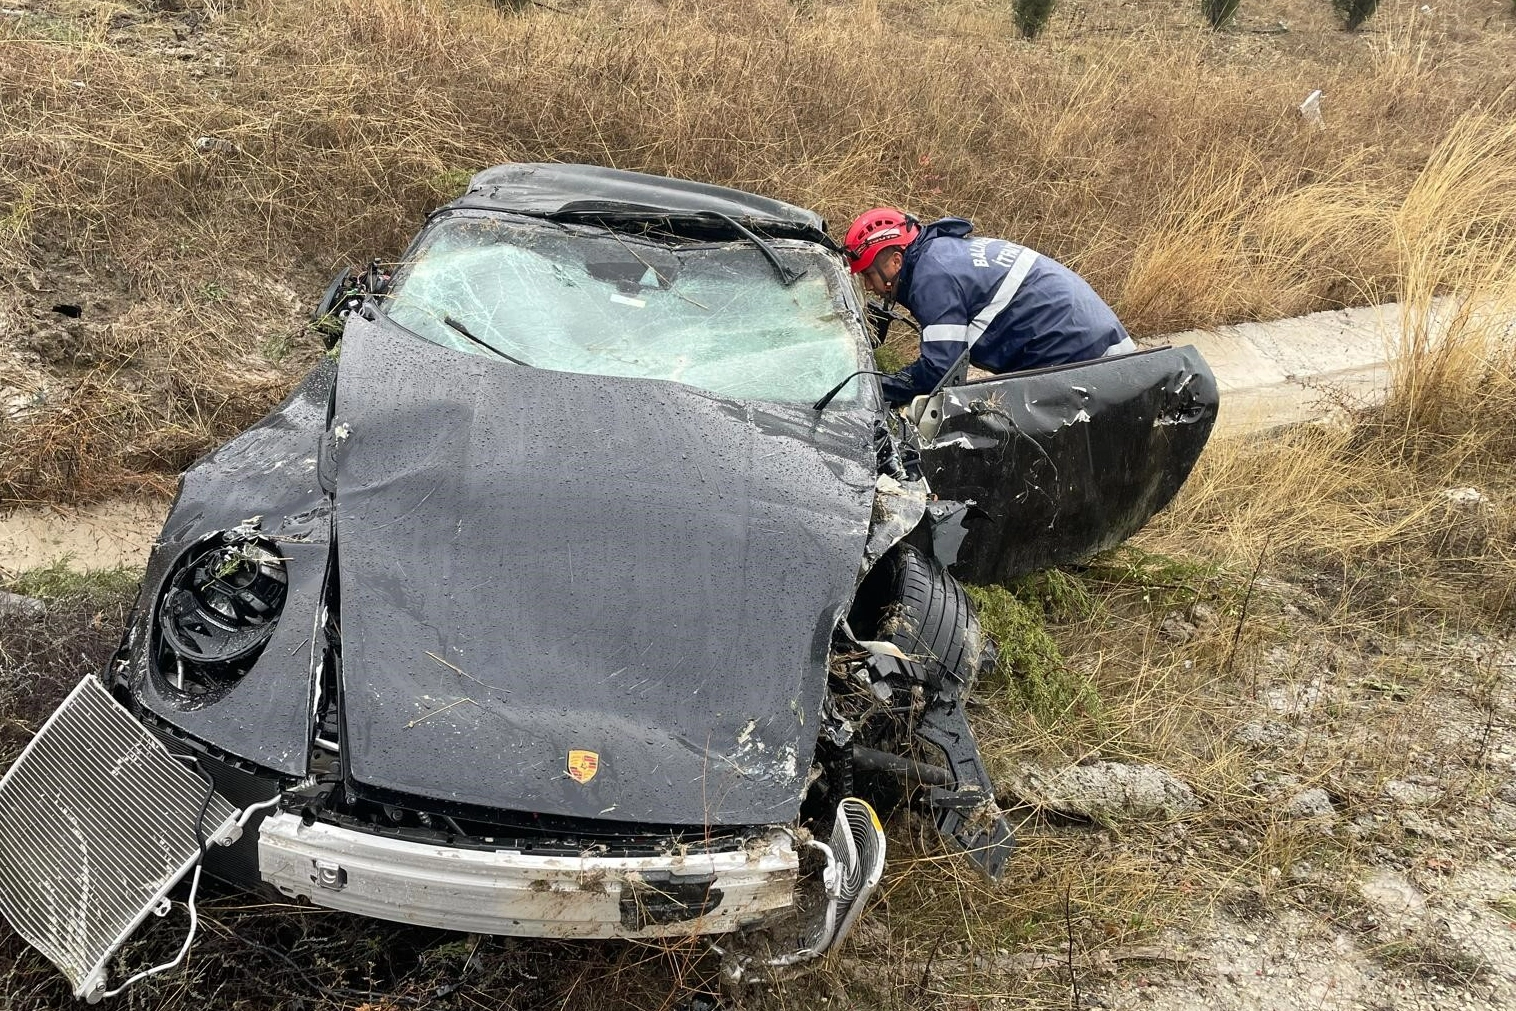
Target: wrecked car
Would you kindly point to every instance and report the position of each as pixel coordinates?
(587, 589)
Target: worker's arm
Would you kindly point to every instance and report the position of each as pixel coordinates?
(937, 302)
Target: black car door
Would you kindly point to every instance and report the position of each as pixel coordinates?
(1039, 468)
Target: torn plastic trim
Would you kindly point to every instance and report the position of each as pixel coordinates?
(899, 506)
(854, 866)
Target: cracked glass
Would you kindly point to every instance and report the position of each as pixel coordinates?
(590, 300)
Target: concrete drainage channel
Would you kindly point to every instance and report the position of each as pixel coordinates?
(1270, 374)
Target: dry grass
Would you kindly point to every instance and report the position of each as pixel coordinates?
(1165, 161)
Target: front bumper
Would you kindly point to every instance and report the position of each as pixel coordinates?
(508, 892)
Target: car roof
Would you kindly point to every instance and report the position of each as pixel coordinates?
(551, 190)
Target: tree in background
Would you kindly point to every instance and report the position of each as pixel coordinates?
(1221, 12)
(1355, 12)
(1032, 16)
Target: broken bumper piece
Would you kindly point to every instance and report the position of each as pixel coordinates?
(854, 864)
(508, 892)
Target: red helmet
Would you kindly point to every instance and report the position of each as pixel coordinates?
(872, 232)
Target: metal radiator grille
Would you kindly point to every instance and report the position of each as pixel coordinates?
(97, 823)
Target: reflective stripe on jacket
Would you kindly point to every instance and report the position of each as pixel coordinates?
(1011, 307)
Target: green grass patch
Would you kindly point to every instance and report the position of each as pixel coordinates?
(1063, 596)
(1032, 668)
(1161, 581)
(887, 359)
(59, 581)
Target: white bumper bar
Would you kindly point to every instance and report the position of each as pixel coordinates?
(507, 892)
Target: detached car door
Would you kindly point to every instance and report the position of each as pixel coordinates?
(1040, 468)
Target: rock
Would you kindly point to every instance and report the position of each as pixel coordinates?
(214, 145)
(1465, 498)
(1271, 785)
(14, 605)
(1313, 803)
(1408, 793)
(1419, 824)
(1103, 790)
(1176, 629)
(1263, 734)
(1396, 901)
(1503, 818)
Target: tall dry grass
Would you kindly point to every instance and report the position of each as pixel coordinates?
(1167, 163)
(1372, 496)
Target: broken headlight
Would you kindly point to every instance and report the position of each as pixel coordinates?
(217, 612)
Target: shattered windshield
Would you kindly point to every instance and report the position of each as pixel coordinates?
(713, 315)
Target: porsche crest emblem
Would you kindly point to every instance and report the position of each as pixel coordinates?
(582, 765)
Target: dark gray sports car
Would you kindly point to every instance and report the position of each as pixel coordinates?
(587, 589)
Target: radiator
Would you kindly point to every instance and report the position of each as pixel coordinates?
(97, 824)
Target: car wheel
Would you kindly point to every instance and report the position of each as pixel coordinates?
(917, 606)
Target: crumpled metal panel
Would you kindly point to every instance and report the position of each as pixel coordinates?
(1058, 464)
(270, 470)
(97, 823)
(536, 562)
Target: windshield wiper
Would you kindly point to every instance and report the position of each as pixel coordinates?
(787, 276)
(458, 327)
(820, 405)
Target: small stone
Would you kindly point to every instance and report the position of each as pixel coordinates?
(1394, 898)
(1312, 803)
(1405, 793)
(1419, 824)
(1176, 629)
(14, 605)
(214, 145)
(1465, 498)
(1263, 734)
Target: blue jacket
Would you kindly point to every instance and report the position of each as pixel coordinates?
(1015, 308)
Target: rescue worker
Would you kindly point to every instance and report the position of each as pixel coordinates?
(1008, 306)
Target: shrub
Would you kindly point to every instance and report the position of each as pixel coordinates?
(1220, 12)
(1032, 16)
(1355, 12)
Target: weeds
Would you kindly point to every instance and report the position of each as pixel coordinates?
(1031, 669)
(60, 581)
(1355, 12)
(1032, 16)
(1219, 13)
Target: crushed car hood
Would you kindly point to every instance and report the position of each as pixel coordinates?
(583, 596)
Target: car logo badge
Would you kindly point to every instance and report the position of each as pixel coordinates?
(582, 765)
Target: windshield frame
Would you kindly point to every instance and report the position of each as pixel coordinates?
(660, 231)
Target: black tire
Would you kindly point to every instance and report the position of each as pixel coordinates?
(911, 601)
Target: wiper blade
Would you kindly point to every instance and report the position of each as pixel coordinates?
(820, 405)
(459, 328)
(787, 276)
